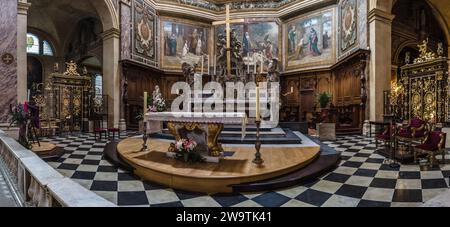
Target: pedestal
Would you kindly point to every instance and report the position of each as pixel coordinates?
(326, 131)
(122, 125)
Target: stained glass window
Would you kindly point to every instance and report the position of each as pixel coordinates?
(98, 85)
(32, 44)
(35, 45)
(47, 49)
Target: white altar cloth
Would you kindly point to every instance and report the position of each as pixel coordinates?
(197, 117)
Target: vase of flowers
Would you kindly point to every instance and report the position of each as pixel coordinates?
(185, 151)
(158, 102)
(20, 116)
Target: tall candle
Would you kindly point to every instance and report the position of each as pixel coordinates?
(248, 62)
(209, 65)
(258, 114)
(203, 60)
(145, 103)
(28, 95)
(262, 64)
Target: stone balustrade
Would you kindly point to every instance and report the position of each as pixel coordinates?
(38, 184)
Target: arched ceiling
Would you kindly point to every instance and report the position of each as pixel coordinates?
(58, 18)
(442, 8)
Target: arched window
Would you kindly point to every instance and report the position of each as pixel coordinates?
(38, 46)
(98, 85)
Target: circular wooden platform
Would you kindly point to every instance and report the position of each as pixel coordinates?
(155, 166)
(43, 149)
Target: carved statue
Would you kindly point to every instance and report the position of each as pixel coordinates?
(273, 73)
(237, 61)
(71, 69)
(424, 54)
(188, 72)
(440, 50)
(408, 58)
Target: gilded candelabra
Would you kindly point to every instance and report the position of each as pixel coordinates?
(258, 157)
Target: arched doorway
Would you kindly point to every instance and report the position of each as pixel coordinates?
(61, 20)
(34, 75)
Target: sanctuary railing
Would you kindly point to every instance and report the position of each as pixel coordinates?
(35, 183)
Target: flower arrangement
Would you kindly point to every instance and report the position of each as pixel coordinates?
(20, 116)
(158, 102)
(185, 151)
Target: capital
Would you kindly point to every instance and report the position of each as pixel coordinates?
(22, 7)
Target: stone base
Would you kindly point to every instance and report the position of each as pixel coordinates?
(326, 131)
(366, 128)
(447, 143)
(209, 159)
(122, 125)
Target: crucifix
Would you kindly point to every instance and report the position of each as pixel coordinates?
(228, 23)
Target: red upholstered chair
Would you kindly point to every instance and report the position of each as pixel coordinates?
(387, 136)
(114, 131)
(434, 144)
(99, 129)
(416, 129)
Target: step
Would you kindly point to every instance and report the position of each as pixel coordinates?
(320, 166)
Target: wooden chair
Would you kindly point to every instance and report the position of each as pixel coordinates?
(99, 129)
(433, 145)
(114, 131)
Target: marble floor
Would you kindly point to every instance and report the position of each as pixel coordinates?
(363, 179)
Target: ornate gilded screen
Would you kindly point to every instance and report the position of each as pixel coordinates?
(425, 88)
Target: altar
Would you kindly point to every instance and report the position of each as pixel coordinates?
(204, 128)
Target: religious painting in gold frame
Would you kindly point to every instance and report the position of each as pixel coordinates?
(257, 36)
(310, 40)
(182, 41)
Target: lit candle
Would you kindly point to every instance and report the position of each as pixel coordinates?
(292, 89)
(145, 103)
(258, 114)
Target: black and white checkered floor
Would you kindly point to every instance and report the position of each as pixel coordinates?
(362, 179)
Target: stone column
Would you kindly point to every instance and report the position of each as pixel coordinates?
(380, 27)
(125, 53)
(22, 24)
(111, 78)
(8, 55)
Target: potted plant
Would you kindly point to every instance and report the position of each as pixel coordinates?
(20, 116)
(324, 100)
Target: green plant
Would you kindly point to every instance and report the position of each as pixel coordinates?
(324, 99)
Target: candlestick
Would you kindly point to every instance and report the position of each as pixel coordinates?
(258, 114)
